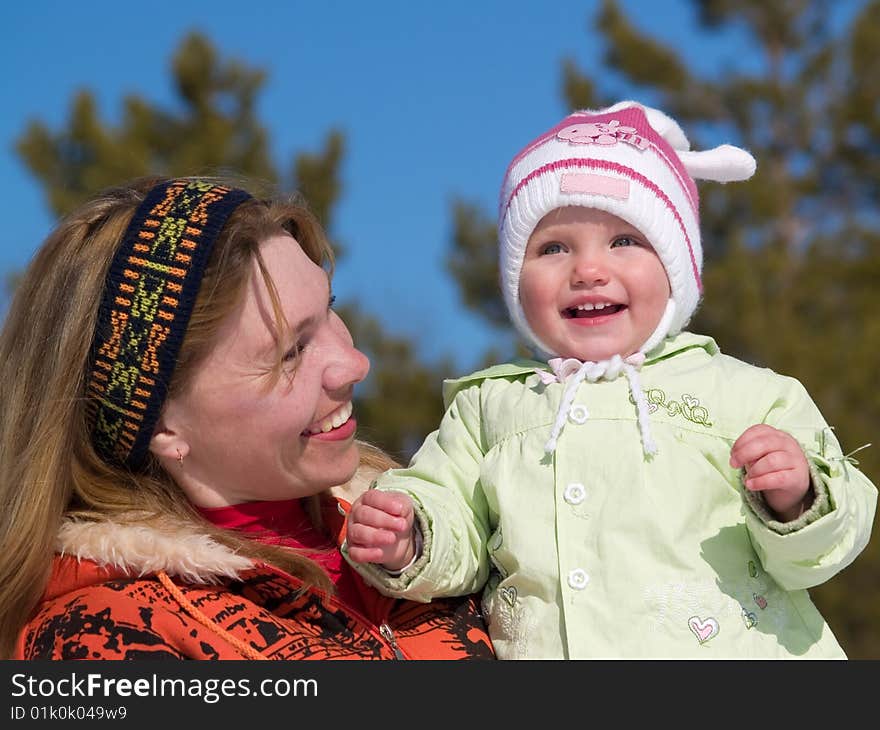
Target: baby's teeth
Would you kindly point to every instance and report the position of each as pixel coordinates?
(600, 306)
(586, 306)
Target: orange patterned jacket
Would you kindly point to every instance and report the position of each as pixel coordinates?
(133, 592)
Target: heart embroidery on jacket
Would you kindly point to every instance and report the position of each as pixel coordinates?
(703, 629)
(509, 595)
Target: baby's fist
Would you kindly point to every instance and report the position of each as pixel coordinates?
(380, 529)
(775, 465)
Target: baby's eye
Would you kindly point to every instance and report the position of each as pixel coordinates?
(625, 241)
(551, 248)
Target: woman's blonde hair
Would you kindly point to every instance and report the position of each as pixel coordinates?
(49, 470)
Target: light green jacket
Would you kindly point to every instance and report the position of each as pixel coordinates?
(598, 551)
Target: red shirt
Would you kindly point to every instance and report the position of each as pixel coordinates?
(286, 523)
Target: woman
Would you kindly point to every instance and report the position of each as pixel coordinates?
(176, 407)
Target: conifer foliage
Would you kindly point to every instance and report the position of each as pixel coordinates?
(213, 129)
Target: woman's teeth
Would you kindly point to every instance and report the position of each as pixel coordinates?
(334, 420)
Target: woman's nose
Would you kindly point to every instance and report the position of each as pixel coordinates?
(347, 365)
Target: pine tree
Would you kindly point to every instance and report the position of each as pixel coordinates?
(215, 130)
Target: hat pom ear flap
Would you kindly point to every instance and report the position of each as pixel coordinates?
(667, 128)
(664, 125)
(720, 164)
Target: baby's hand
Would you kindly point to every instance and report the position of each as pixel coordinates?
(775, 465)
(380, 529)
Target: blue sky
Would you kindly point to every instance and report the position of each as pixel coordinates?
(434, 99)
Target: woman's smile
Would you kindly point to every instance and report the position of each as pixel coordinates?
(337, 425)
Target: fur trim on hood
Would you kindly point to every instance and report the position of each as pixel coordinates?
(177, 548)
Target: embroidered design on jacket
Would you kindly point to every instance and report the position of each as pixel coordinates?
(672, 606)
(508, 593)
(495, 543)
(508, 622)
(704, 629)
(688, 407)
(756, 597)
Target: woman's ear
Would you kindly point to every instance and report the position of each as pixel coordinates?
(168, 445)
(169, 441)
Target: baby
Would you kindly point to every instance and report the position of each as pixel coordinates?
(681, 510)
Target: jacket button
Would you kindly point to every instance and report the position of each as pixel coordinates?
(574, 493)
(578, 414)
(578, 579)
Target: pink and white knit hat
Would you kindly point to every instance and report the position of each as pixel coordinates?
(633, 162)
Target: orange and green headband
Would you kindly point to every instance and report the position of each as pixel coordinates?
(148, 298)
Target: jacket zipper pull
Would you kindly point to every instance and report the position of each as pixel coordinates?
(388, 635)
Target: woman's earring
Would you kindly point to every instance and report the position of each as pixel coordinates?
(180, 458)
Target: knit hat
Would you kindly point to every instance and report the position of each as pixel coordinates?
(631, 161)
(147, 301)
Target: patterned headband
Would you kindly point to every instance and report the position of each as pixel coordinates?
(145, 309)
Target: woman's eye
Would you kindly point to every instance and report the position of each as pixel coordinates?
(294, 352)
(551, 248)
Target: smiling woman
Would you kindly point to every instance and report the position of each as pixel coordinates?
(275, 412)
(177, 466)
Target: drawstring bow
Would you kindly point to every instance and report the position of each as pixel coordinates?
(573, 372)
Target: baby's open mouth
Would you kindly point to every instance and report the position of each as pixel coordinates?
(583, 311)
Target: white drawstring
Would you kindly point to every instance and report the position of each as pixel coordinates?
(573, 382)
(609, 370)
(649, 446)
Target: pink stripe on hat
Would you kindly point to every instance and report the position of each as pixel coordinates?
(580, 182)
(577, 163)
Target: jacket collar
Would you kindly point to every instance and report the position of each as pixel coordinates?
(680, 343)
(132, 547)
(560, 368)
(138, 549)
(179, 549)
(95, 553)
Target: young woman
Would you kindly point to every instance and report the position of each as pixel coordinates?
(176, 412)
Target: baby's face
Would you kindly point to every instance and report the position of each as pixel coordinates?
(591, 285)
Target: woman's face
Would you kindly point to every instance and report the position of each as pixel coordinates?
(246, 434)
